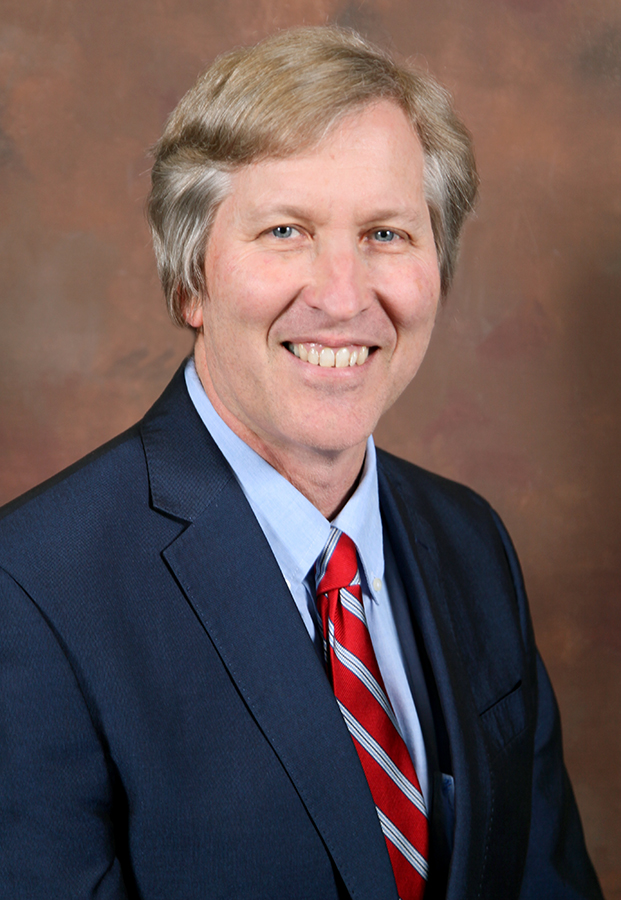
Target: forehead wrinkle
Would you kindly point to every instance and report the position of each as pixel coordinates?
(311, 207)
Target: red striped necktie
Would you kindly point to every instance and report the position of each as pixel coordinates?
(362, 698)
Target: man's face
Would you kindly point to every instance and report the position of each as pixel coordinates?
(331, 250)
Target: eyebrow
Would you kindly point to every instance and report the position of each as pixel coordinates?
(411, 215)
(286, 211)
(261, 210)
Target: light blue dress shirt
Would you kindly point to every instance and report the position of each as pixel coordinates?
(297, 533)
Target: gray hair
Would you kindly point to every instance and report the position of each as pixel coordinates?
(274, 100)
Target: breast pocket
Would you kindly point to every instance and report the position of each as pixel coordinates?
(506, 718)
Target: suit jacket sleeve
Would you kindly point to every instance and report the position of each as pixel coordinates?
(55, 787)
(557, 864)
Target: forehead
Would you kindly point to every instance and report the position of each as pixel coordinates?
(371, 157)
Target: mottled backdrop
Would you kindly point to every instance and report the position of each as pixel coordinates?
(519, 396)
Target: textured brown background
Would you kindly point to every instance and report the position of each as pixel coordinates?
(519, 395)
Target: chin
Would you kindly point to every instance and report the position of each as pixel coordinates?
(337, 439)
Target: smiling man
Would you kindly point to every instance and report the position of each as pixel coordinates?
(243, 653)
(322, 288)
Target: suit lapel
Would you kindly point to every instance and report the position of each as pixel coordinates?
(227, 571)
(419, 563)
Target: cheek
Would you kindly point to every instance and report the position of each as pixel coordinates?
(415, 301)
(252, 292)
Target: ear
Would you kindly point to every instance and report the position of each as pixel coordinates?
(193, 313)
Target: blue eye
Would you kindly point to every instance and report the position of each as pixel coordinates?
(384, 234)
(282, 231)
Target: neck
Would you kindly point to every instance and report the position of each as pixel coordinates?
(327, 481)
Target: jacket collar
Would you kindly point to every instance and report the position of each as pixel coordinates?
(186, 469)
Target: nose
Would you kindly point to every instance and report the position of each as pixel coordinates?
(340, 280)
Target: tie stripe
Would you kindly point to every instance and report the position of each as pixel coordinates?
(358, 668)
(352, 605)
(368, 714)
(401, 843)
(382, 759)
(326, 554)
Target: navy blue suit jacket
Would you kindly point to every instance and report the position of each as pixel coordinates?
(167, 730)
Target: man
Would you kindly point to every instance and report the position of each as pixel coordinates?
(243, 655)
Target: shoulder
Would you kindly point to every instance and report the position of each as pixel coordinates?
(85, 504)
(110, 475)
(430, 495)
(464, 534)
(69, 507)
(72, 483)
(116, 509)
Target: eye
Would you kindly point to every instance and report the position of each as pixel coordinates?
(384, 235)
(283, 231)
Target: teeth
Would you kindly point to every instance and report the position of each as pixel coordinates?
(318, 355)
(342, 358)
(326, 358)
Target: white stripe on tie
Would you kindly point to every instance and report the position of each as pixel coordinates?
(403, 845)
(351, 662)
(382, 759)
(352, 605)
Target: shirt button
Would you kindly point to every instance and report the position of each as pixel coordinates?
(377, 584)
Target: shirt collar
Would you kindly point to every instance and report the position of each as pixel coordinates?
(295, 529)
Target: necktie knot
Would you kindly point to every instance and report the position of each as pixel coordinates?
(338, 566)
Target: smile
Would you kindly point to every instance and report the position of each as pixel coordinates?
(329, 357)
